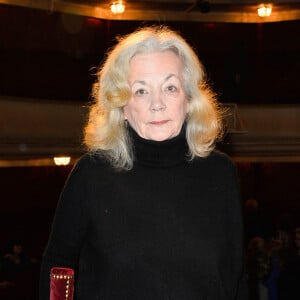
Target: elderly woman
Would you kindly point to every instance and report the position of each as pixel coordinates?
(151, 211)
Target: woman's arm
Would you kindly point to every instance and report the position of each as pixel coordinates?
(68, 229)
(236, 277)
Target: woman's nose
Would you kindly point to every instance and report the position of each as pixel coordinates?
(157, 103)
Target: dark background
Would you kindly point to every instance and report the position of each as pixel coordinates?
(53, 56)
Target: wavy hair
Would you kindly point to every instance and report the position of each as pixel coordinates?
(106, 132)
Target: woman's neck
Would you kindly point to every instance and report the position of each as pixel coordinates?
(165, 153)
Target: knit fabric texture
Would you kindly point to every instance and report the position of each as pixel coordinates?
(169, 229)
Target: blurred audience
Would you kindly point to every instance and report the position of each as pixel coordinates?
(289, 280)
(18, 273)
(258, 264)
(273, 265)
(15, 261)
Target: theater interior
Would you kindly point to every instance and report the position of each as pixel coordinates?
(49, 54)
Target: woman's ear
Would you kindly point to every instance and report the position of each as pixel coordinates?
(124, 113)
(187, 107)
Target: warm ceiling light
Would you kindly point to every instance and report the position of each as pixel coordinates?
(117, 7)
(62, 160)
(264, 10)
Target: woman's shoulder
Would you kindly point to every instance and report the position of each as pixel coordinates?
(91, 160)
(217, 157)
(88, 169)
(215, 163)
(89, 163)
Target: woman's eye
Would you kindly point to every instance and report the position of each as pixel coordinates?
(172, 89)
(140, 92)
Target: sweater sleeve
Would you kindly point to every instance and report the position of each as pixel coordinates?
(68, 229)
(236, 279)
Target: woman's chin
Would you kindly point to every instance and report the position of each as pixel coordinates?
(161, 136)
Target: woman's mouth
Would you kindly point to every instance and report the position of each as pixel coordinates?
(162, 122)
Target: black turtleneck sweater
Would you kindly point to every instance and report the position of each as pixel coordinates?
(169, 229)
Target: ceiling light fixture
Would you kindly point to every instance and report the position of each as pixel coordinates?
(62, 160)
(264, 10)
(117, 7)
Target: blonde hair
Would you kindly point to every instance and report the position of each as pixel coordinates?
(105, 131)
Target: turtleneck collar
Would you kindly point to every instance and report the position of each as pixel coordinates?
(166, 153)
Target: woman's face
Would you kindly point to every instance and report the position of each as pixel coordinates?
(158, 105)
